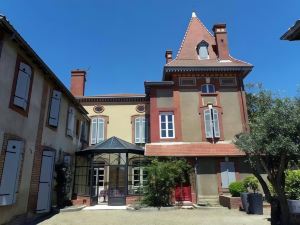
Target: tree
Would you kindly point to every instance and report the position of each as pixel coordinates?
(272, 143)
(162, 177)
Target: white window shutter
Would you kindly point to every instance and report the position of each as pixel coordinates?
(146, 130)
(22, 86)
(208, 124)
(100, 130)
(71, 121)
(11, 172)
(94, 131)
(54, 108)
(137, 130)
(143, 130)
(216, 123)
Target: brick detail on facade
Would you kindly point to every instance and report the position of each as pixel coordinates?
(192, 149)
(78, 78)
(230, 202)
(37, 160)
(133, 199)
(82, 200)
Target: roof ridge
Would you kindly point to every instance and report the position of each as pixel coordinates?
(187, 30)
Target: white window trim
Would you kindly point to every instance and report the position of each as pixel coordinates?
(141, 177)
(91, 130)
(206, 85)
(142, 132)
(187, 78)
(167, 126)
(212, 122)
(228, 85)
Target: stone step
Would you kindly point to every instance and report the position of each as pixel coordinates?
(208, 201)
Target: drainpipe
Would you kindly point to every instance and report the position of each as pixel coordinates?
(195, 168)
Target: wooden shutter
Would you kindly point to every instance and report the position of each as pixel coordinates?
(94, 131)
(100, 130)
(54, 108)
(216, 123)
(208, 123)
(22, 86)
(137, 130)
(71, 121)
(11, 172)
(143, 130)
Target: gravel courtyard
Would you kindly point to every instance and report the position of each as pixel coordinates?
(220, 216)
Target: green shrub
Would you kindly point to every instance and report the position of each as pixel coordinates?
(251, 183)
(162, 177)
(236, 188)
(292, 184)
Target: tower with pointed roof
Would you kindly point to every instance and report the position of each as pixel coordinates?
(198, 108)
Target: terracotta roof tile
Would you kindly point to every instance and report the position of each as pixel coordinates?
(192, 149)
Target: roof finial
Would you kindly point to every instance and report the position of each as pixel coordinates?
(194, 14)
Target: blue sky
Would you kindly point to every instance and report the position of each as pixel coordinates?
(122, 43)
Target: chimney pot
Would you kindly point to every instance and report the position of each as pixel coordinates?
(221, 41)
(169, 56)
(78, 78)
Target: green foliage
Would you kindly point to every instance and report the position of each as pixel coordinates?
(236, 188)
(162, 177)
(292, 184)
(251, 183)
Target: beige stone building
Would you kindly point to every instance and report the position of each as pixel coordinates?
(42, 125)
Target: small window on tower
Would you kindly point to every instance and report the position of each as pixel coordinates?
(203, 50)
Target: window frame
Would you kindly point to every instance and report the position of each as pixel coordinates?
(143, 119)
(14, 107)
(141, 177)
(200, 45)
(212, 112)
(104, 119)
(207, 88)
(187, 78)
(167, 126)
(234, 84)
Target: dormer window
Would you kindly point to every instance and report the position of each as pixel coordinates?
(203, 50)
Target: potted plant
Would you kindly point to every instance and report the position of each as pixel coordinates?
(236, 188)
(255, 199)
(244, 195)
(292, 189)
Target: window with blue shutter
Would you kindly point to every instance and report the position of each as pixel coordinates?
(208, 88)
(54, 108)
(71, 122)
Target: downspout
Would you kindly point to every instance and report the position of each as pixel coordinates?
(196, 185)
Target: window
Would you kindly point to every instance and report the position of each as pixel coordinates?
(54, 108)
(22, 86)
(211, 122)
(71, 121)
(11, 172)
(227, 81)
(166, 121)
(141, 130)
(84, 131)
(208, 88)
(187, 81)
(139, 177)
(97, 130)
(203, 50)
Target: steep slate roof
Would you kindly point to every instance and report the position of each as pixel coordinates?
(113, 145)
(187, 59)
(293, 34)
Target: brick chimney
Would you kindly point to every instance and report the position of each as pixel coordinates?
(221, 41)
(168, 56)
(78, 78)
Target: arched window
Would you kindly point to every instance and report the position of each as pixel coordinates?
(202, 49)
(208, 88)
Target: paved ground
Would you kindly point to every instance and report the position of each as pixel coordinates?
(220, 216)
